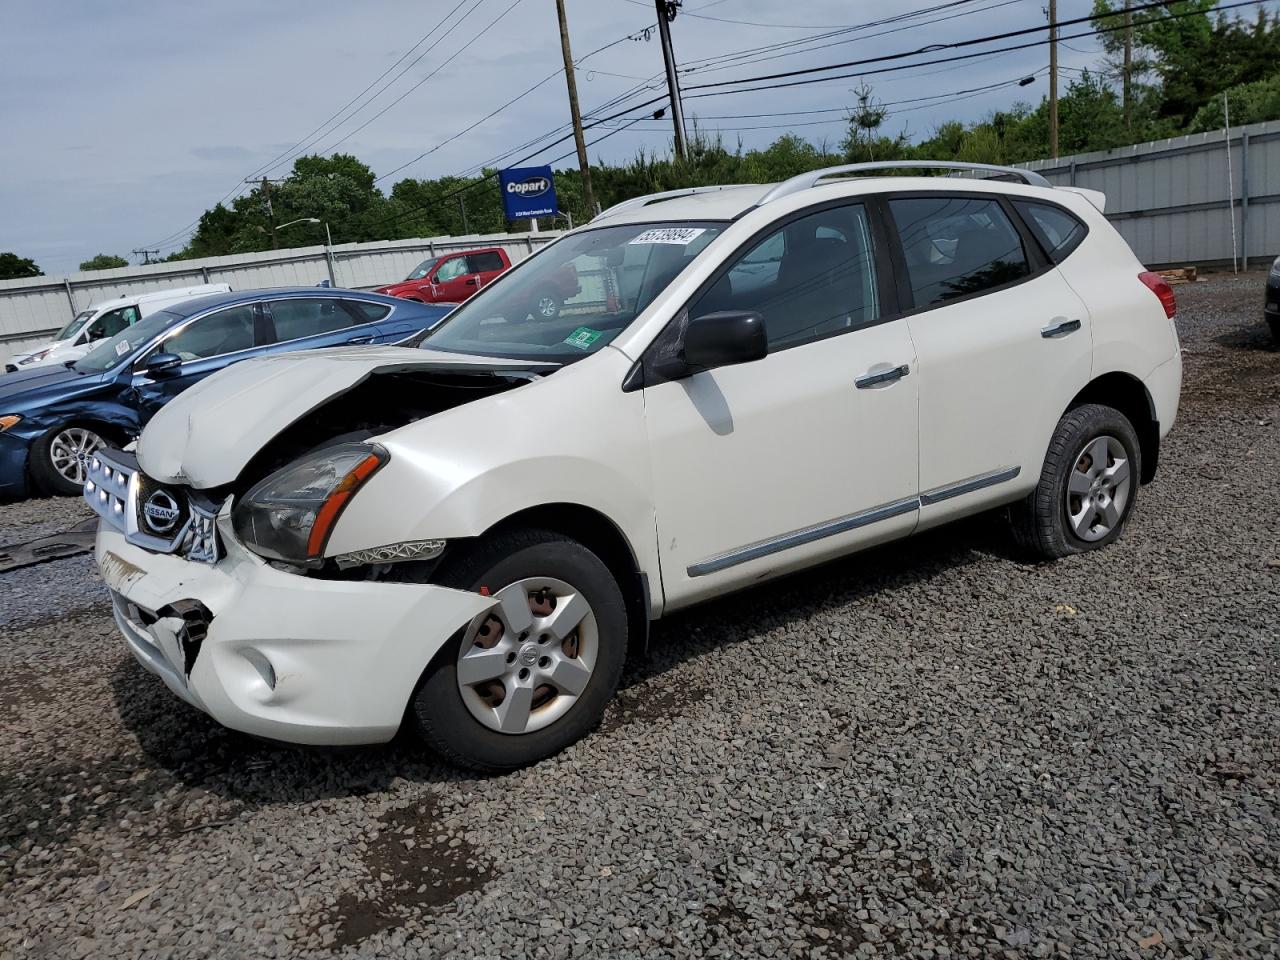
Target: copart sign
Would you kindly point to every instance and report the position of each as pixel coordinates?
(528, 192)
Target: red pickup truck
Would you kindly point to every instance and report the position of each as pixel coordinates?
(453, 277)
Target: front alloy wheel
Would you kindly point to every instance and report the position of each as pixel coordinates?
(60, 459)
(523, 666)
(534, 672)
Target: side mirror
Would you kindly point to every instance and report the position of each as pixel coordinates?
(716, 340)
(161, 365)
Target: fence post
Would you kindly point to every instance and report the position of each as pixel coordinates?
(71, 297)
(1073, 173)
(1244, 199)
(205, 272)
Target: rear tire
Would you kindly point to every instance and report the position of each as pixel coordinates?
(559, 685)
(1088, 485)
(1274, 324)
(60, 459)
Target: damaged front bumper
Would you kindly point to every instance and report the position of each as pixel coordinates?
(276, 654)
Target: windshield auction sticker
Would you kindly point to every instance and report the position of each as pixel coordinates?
(682, 236)
(582, 338)
(122, 348)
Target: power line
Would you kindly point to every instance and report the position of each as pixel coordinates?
(744, 58)
(910, 66)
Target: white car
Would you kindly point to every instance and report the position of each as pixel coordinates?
(465, 534)
(101, 321)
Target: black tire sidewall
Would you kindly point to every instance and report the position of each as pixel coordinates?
(437, 707)
(1094, 421)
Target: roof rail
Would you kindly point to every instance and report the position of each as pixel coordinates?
(811, 179)
(649, 198)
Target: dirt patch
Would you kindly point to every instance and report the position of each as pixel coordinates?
(643, 704)
(415, 865)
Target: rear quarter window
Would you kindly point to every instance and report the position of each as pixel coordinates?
(1057, 230)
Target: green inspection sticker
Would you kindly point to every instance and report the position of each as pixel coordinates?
(582, 338)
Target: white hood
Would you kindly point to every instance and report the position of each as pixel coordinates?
(207, 434)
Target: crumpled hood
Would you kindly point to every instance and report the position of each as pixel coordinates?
(207, 434)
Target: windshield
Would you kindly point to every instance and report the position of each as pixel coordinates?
(574, 297)
(114, 350)
(422, 269)
(74, 327)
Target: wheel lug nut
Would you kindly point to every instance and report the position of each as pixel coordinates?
(524, 673)
(544, 662)
(511, 658)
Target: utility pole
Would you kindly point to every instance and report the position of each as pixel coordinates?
(666, 13)
(462, 207)
(265, 189)
(1053, 79)
(1128, 64)
(146, 256)
(587, 195)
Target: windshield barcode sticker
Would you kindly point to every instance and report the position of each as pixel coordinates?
(122, 348)
(682, 236)
(582, 338)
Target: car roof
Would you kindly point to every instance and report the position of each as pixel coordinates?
(196, 305)
(730, 202)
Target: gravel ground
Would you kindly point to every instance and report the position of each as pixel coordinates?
(931, 751)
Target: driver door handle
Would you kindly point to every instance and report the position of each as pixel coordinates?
(364, 339)
(883, 376)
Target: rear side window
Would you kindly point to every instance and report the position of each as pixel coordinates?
(307, 317)
(484, 262)
(957, 246)
(365, 311)
(1059, 231)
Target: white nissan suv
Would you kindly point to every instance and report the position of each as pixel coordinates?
(467, 532)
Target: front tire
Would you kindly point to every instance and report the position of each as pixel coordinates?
(534, 674)
(1274, 324)
(60, 459)
(1087, 488)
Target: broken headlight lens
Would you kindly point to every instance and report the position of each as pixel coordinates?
(290, 514)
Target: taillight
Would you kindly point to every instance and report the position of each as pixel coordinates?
(1160, 287)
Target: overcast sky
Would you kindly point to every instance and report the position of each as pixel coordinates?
(121, 122)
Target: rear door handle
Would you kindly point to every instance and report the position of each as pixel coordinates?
(1059, 329)
(884, 376)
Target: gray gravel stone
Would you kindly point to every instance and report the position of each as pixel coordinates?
(932, 750)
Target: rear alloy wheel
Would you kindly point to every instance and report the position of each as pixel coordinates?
(535, 672)
(1087, 487)
(546, 307)
(60, 459)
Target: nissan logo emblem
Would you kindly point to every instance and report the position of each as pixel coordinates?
(161, 512)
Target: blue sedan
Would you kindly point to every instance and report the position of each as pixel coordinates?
(52, 419)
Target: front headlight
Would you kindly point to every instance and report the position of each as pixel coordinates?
(289, 515)
(1275, 267)
(36, 356)
(11, 420)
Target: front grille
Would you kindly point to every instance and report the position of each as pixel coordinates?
(155, 516)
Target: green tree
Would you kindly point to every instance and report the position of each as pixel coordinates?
(13, 267)
(104, 261)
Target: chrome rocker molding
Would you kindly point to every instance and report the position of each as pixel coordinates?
(938, 494)
(798, 538)
(830, 528)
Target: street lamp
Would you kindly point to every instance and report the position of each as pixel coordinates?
(328, 243)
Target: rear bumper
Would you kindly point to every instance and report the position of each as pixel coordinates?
(274, 654)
